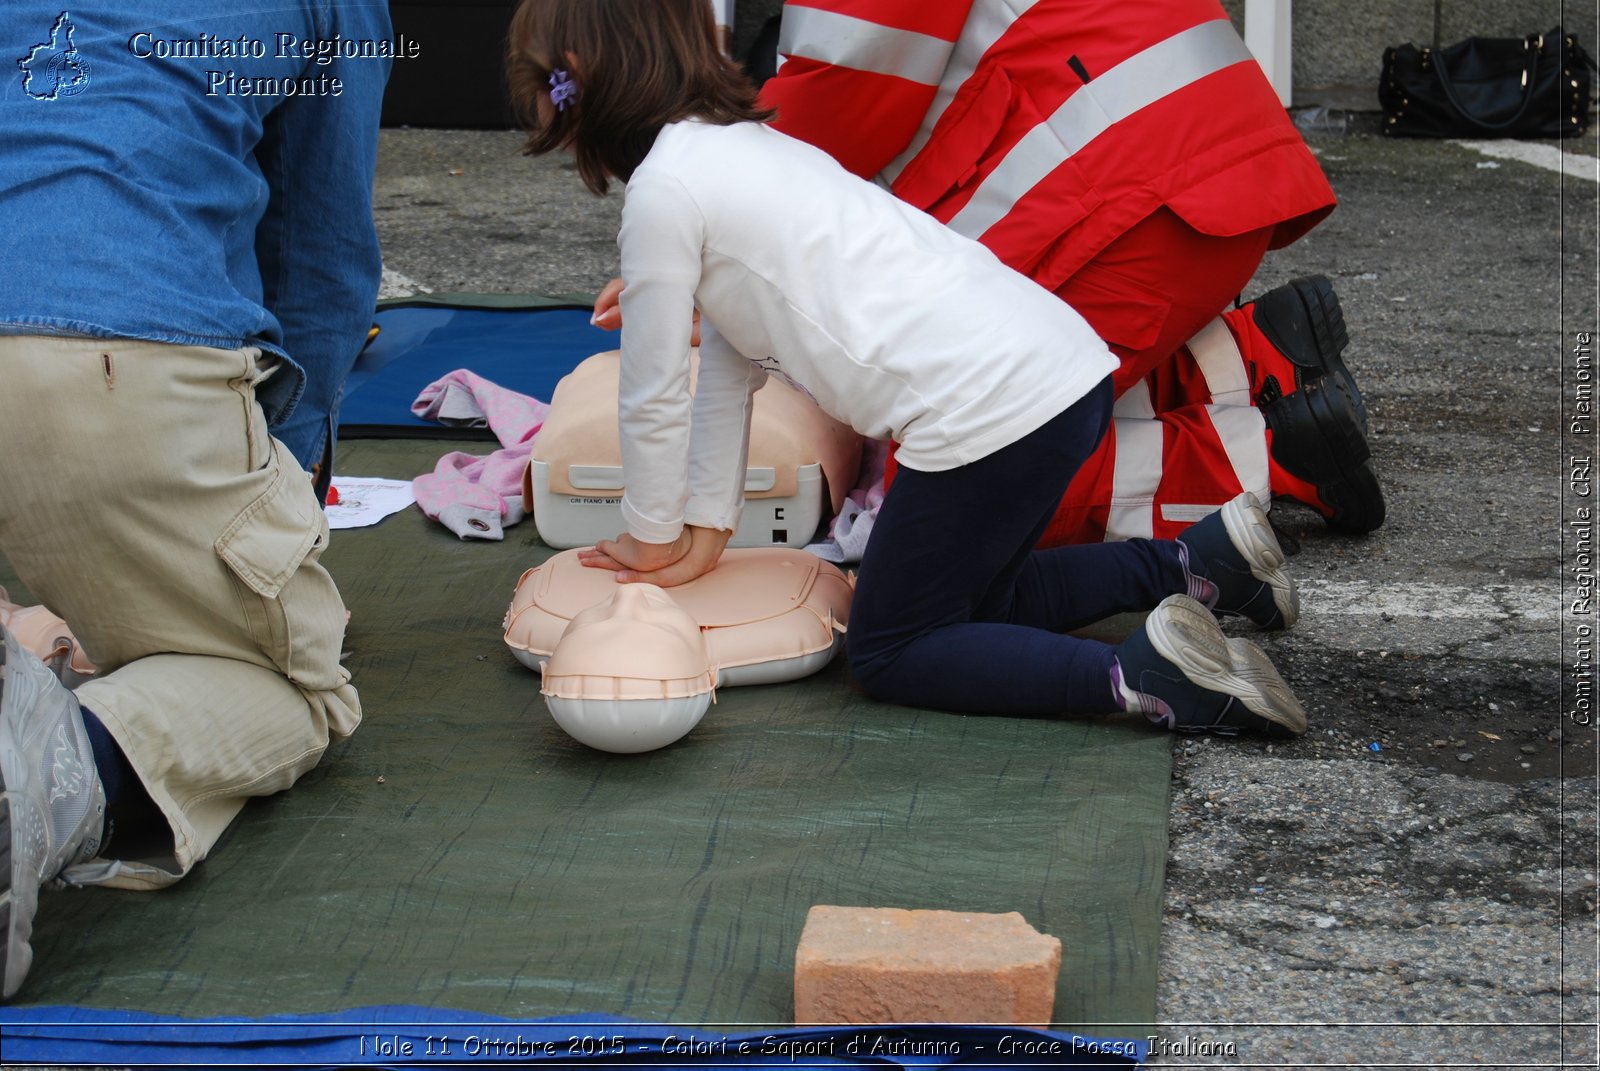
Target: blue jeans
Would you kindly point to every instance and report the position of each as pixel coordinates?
(214, 201)
(954, 608)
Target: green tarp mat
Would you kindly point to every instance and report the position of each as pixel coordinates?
(460, 851)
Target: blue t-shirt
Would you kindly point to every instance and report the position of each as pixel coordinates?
(198, 174)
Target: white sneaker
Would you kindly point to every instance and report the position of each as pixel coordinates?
(52, 805)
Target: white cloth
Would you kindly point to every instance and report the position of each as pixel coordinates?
(895, 324)
(852, 525)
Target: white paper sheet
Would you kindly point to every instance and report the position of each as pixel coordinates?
(366, 500)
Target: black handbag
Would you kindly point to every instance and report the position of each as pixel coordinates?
(1488, 87)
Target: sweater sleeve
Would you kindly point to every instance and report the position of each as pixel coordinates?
(660, 244)
(719, 446)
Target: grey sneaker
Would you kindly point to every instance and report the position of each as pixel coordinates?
(1183, 674)
(52, 806)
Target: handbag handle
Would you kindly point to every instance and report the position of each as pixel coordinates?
(1533, 45)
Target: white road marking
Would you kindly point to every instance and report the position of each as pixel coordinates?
(395, 285)
(1572, 164)
(1486, 602)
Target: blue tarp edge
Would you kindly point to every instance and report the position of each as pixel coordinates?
(412, 1036)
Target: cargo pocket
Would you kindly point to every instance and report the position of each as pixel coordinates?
(289, 602)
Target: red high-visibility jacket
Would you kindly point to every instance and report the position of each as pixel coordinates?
(1047, 134)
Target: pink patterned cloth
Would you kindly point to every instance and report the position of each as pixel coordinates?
(478, 497)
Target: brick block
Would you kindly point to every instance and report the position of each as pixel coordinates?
(866, 965)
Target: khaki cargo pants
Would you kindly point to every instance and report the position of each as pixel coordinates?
(142, 499)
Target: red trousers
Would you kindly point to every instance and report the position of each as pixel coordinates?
(1184, 438)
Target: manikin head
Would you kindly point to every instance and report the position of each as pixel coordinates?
(631, 673)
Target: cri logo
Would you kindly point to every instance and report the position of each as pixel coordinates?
(54, 69)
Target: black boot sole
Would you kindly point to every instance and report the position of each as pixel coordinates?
(1317, 436)
(1305, 321)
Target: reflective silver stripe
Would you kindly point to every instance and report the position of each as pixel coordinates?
(986, 23)
(1135, 402)
(1135, 83)
(1186, 513)
(1135, 477)
(1140, 446)
(1243, 434)
(845, 41)
(1216, 354)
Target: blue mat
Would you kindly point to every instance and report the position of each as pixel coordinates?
(408, 1036)
(524, 343)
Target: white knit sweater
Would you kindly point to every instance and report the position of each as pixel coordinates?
(895, 324)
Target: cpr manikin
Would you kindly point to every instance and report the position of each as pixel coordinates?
(634, 667)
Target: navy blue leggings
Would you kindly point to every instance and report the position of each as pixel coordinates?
(955, 610)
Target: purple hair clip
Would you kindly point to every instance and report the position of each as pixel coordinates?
(562, 89)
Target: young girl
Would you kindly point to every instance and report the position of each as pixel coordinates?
(994, 389)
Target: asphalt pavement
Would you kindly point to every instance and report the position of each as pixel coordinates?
(1412, 883)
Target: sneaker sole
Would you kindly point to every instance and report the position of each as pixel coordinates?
(1311, 301)
(1185, 634)
(1252, 536)
(1277, 702)
(23, 826)
(25, 807)
(17, 953)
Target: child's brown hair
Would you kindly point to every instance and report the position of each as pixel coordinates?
(637, 64)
